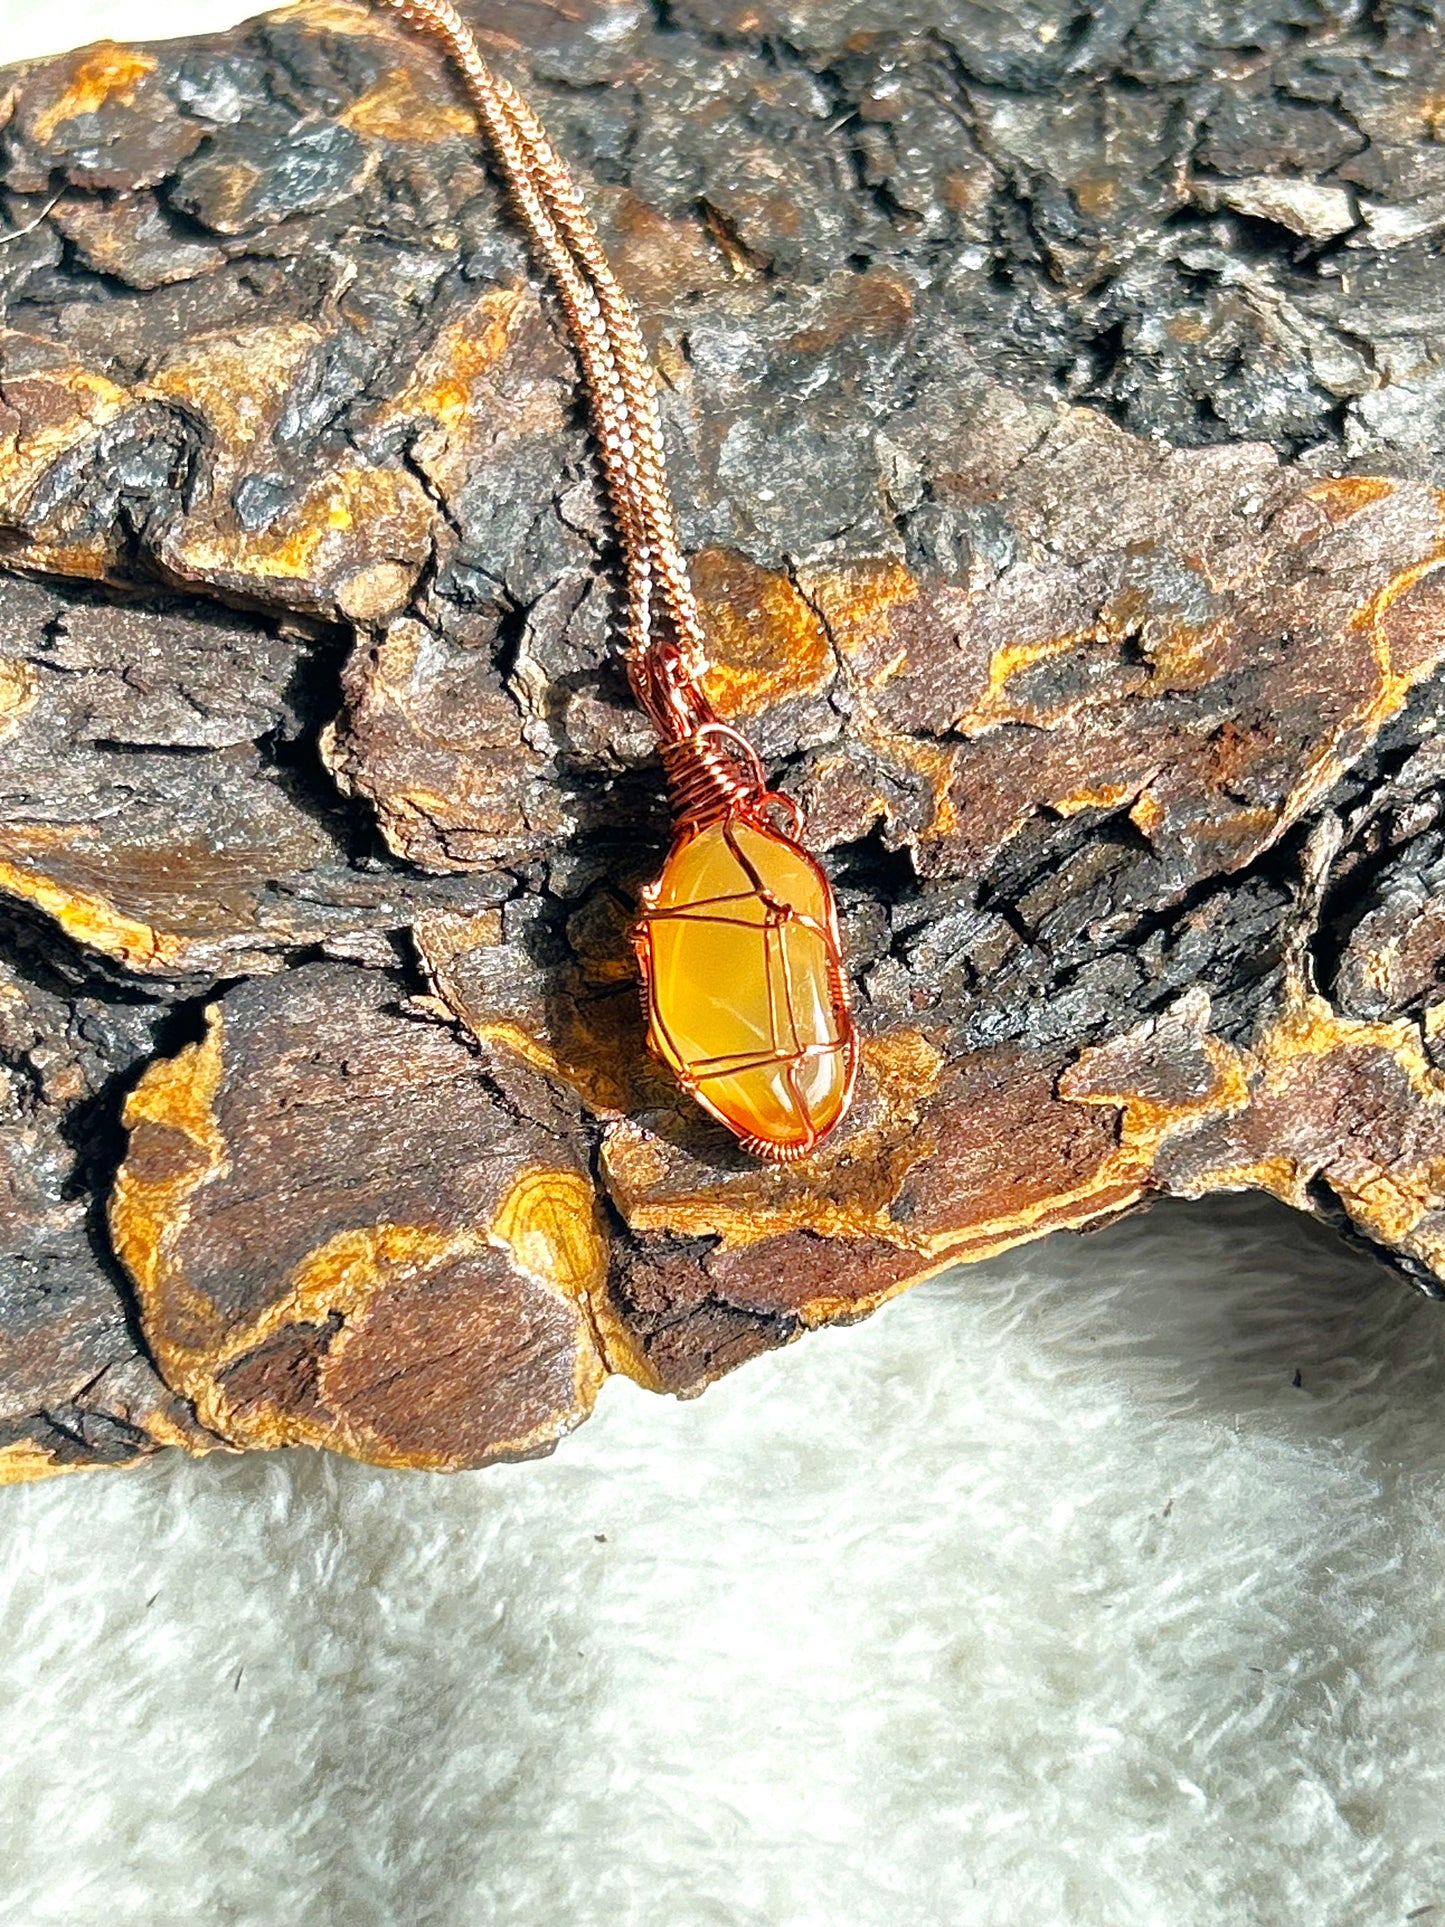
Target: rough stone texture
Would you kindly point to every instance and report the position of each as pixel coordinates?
(418, 1286)
(76, 1386)
(1055, 406)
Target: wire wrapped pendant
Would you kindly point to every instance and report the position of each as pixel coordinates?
(737, 941)
(741, 963)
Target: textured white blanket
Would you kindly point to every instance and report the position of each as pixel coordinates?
(35, 27)
(1097, 1587)
(1046, 1599)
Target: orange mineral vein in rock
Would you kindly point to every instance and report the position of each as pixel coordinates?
(746, 1001)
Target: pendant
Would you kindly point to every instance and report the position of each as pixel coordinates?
(742, 972)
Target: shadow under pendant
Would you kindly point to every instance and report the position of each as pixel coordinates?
(737, 941)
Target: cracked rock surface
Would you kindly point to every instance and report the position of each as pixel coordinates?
(1055, 408)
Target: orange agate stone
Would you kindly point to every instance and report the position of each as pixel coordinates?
(743, 983)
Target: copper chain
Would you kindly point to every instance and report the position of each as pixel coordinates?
(665, 650)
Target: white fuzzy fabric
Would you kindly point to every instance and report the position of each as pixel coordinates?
(1045, 1599)
(30, 28)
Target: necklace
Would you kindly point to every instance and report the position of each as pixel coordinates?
(737, 941)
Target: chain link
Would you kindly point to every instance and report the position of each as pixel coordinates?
(666, 650)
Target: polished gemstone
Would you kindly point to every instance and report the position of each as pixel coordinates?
(739, 948)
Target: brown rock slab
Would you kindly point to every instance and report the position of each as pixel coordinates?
(1057, 439)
